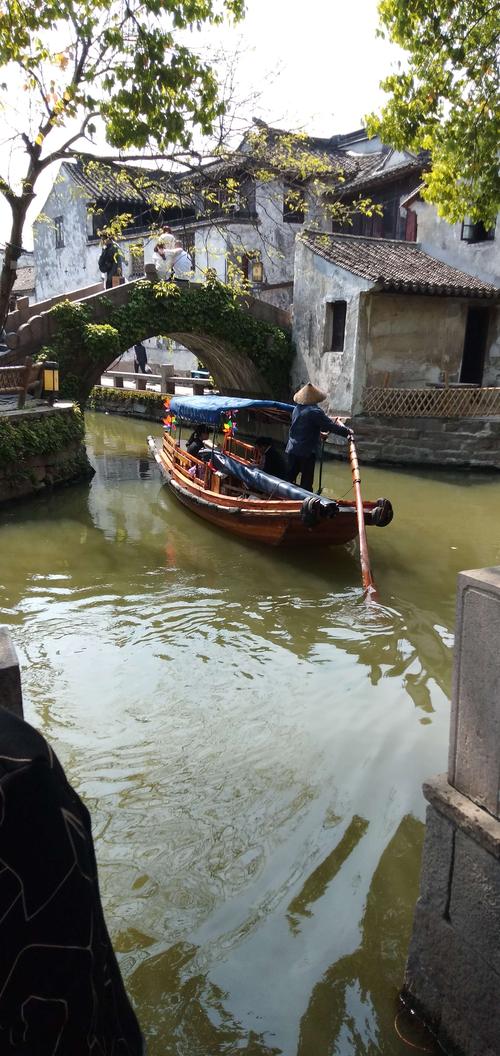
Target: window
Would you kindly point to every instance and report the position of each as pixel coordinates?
(294, 203)
(337, 315)
(476, 232)
(59, 228)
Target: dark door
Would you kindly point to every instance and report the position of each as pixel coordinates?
(476, 333)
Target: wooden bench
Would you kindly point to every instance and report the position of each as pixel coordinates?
(19, 380)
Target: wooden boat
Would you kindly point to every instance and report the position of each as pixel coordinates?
(230, 491)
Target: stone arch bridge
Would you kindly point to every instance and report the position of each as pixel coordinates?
(244, 343)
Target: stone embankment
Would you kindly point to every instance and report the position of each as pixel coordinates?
(41, 448)
(472, 443)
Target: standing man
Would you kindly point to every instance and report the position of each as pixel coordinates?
(110, 261)
(140, 359)
(308, 422)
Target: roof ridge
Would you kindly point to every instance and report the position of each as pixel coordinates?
(364, 238)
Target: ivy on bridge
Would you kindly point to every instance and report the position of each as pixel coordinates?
(242, 353)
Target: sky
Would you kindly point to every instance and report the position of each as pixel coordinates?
(320, 69)
(313, 67)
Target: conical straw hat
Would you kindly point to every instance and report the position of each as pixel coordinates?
(309, 394)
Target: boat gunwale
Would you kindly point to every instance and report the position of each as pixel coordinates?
(228, 502)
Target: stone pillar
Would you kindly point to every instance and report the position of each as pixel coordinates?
(453, 971)
(166, 371)
(11, 696)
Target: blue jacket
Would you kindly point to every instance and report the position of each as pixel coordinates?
(307, 423)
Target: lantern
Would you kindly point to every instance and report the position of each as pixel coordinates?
(50, 386)
(257, 271)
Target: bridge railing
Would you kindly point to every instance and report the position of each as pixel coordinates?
(166, 381)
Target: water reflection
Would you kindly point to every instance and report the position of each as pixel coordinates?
(316, 884)
(187, 1015)
(251, 739)
(353, 1007)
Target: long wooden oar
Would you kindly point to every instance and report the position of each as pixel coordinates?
(371, 593)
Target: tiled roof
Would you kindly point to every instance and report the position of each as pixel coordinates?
(111, 183)
(396, 266)
(371, 171)
(25, 280)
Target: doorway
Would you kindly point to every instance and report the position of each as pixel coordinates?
(476, 333)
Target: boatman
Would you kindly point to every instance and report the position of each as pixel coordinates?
(308, 422)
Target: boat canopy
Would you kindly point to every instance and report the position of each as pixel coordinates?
(208, 409)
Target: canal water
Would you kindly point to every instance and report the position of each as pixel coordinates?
(251, 740)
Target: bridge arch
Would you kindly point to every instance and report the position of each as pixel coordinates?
(236, 338)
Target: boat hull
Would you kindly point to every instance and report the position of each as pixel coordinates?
(272, 523)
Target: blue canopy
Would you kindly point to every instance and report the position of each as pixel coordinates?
(208, 409)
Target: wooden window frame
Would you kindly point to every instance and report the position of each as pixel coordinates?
(336, 325)
(59, 229)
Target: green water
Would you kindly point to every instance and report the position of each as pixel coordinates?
(251, 739)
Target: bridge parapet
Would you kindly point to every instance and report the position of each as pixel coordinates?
(244, 343)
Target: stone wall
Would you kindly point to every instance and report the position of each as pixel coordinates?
(444, 241)
(317, 284)
(58, 460)
(149, 406)
(471, 442)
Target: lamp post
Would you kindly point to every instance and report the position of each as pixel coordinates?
(50, 387)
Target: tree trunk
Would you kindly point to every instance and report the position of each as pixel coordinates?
(13, 250)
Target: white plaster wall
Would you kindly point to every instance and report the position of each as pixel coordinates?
(73, 266)
(269, 235)
(317, 284)
(68, 268)
(160, 353)
(442, 240)
(413, 340)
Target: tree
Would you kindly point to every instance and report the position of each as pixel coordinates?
(120, 63)
(446, 100)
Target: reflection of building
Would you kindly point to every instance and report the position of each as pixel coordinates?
(353, 1007)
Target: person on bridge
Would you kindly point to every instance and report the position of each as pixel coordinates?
(308, 422)
(110, 262)
(140, 358)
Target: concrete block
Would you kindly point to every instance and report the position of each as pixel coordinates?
(453, 986)
(436, 861)
(463, 814)
(474, 759)
(474, 904)
(11, 696)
